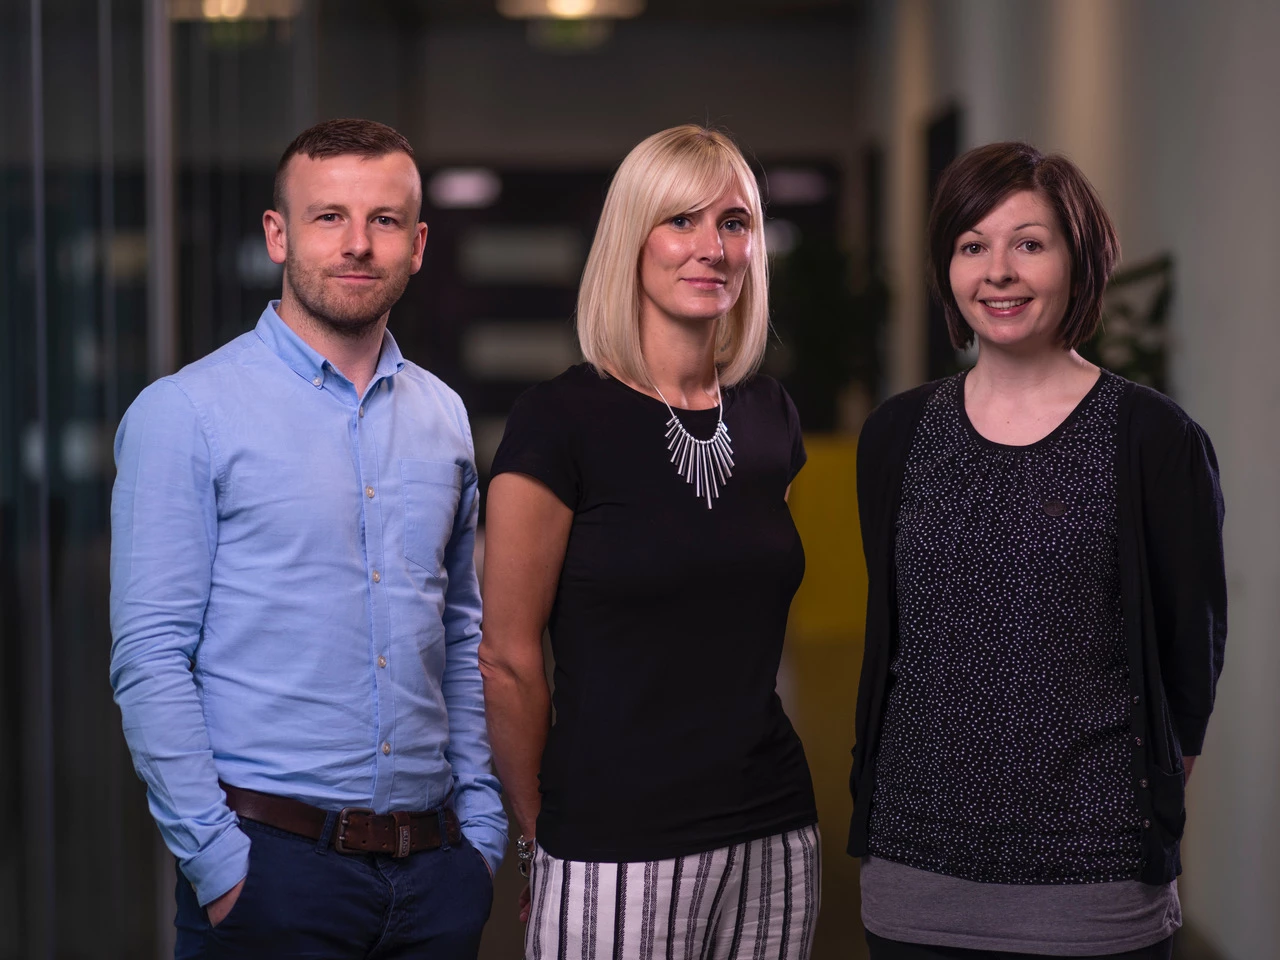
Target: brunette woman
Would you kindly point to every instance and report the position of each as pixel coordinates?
(1047, 606)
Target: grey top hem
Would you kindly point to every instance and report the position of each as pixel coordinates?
(1059, 920)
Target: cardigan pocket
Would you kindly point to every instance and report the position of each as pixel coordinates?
(1168, 804)
(1165, 750)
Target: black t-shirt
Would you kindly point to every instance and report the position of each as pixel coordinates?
(669, 738)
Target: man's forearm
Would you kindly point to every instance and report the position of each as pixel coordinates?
(164, 728)
(477, 793)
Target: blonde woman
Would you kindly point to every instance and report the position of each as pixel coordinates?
(638, 510)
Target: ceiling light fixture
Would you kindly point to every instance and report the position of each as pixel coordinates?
(222, 11)
(570, 9)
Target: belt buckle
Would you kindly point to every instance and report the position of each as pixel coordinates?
(339, 841)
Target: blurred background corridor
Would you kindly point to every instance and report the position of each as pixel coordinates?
(138, 141)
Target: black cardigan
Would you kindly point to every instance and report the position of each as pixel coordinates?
(1173, 599)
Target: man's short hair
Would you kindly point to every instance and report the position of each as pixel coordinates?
(978, 181)
(336, 138)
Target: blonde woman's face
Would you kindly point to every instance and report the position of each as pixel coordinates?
(692, 265)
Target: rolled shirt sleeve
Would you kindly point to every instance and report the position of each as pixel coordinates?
(476, 794)
(164, 535)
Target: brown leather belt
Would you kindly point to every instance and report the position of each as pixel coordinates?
(358, 830)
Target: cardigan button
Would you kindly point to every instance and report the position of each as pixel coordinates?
(1136, 698)
(1138, 741)
(1143, 783)
(1146, 824)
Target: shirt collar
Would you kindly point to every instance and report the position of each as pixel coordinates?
(308, 363)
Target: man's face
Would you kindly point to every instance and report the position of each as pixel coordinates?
(349, 237)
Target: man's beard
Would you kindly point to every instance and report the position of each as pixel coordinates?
(348, 313)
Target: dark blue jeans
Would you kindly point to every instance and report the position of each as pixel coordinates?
(304, 900)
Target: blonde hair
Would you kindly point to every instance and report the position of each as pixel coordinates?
(680, 170)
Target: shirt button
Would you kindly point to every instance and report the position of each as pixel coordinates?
(318, 380)
(362, 409)
(377, 577)
(382, 662)
(368, 492)
(386, 748)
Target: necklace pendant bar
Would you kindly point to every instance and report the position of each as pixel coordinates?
(704, 464)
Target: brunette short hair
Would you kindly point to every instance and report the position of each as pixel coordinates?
(679, 170)
(336, 138)
(977, 182)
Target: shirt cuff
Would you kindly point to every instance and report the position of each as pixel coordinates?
(489, 841)
(219, 866)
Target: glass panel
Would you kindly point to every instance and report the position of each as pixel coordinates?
(19, 495)
(227, 134)
(72, 352)
(97, 360)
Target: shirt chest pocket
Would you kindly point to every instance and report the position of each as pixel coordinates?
(431, 491)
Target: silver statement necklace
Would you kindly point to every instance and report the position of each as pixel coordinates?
(707, 464)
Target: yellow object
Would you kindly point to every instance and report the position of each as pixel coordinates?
(821, 666)
(831, 605)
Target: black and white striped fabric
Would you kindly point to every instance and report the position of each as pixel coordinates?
(756, 900)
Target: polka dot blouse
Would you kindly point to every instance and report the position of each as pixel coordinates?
(1004, 755)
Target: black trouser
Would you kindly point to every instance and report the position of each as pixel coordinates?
(882, 949)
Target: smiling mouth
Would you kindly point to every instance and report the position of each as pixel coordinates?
(1006, 304)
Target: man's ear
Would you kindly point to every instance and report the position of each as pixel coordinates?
(277, 241)
(419, 244)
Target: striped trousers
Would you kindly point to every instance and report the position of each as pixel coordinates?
(750, 901)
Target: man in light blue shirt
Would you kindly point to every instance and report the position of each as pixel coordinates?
(294, 605)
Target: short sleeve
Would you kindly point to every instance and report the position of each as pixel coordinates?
(794, 435)
(538, 442)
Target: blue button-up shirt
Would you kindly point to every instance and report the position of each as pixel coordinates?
(294, 605)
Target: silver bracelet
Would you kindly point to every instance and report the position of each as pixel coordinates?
(524, 855)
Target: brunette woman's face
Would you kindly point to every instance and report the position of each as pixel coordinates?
(693, 264)
(1011, 274)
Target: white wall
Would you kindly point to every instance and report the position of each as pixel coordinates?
(1170, 106)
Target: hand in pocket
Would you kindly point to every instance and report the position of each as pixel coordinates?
(219, 908)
